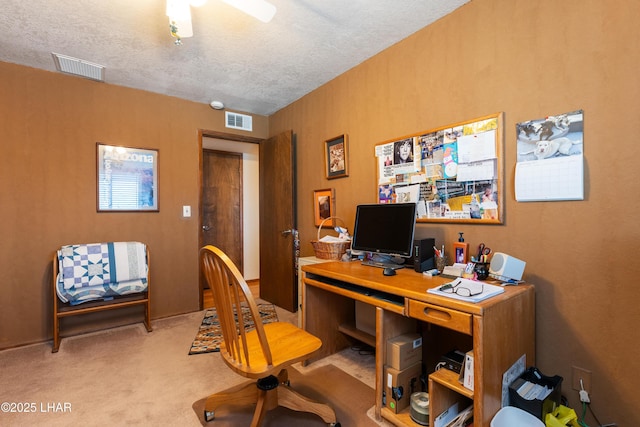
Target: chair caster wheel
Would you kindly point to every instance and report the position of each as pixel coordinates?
(209, 415)
(334, 425)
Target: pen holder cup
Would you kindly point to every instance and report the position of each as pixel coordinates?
(441, 262)
(482, 270)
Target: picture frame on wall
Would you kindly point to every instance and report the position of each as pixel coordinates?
(127, 179)
(336, 157)
(324, 207)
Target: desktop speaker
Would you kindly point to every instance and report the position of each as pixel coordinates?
(505, 267)
(423, 257)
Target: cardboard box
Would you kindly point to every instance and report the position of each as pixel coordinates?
(404, 351)
(399, 385)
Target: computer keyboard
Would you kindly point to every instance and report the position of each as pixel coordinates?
(381, 264)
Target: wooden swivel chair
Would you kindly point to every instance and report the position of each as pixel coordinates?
(262, 354)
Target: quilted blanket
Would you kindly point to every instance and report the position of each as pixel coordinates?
(100, 270)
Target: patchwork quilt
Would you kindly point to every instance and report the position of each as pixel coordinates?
(96, 271)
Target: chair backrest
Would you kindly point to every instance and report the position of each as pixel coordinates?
(233, 301)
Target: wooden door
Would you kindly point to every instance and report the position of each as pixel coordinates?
(222, 204)
(277, 222)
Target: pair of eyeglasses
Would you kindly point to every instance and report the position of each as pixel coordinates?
(455, 288)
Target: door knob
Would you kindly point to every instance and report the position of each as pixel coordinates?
(206, 227)
(287, 232)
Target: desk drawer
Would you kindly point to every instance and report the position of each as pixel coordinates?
(452, 319)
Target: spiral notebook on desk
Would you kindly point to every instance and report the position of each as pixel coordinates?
(479, 290)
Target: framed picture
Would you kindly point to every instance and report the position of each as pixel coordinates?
(336, 152)
(127, 179)
(324, 207)
(461, 252)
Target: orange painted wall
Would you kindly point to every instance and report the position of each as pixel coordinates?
(49, 126)
(528, 59)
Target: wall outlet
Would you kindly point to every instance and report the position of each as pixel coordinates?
(186, 211)
(577, 374)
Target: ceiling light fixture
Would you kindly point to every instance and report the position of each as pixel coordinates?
(259, 9)
(179, 13)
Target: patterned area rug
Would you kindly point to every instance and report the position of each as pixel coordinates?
(209, 335)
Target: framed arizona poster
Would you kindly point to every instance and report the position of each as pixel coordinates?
(127, 179)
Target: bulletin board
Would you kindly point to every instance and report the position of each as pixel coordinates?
(454, 173)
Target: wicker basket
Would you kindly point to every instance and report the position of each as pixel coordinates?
(329, 250)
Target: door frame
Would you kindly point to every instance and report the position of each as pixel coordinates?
(217, 135)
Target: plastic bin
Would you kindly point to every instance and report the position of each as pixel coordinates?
(510, 416)
(536, 407)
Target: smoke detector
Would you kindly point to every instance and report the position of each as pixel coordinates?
(217, 105)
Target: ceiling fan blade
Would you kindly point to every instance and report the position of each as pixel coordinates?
(259, 9)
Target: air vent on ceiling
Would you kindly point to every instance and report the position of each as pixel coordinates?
(78, 67)
(238, 121)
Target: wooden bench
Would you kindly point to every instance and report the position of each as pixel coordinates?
(65, 309)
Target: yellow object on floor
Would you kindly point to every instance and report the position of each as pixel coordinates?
(561, 417)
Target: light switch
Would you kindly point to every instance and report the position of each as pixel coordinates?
(186, 211)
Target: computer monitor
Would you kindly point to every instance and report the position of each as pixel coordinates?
(385, 229)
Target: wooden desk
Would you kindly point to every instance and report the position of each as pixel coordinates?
(499, 329)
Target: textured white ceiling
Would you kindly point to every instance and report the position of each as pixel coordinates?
(248, 65)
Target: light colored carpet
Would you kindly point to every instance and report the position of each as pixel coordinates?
(126, 376)
(326, 384)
